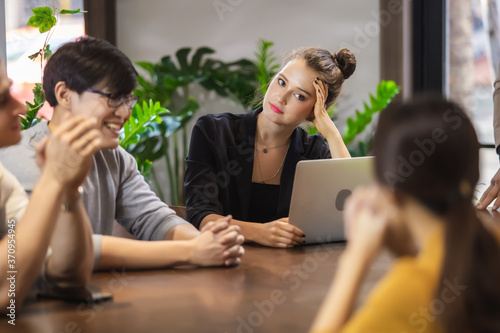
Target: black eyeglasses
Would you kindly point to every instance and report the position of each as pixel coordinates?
(115, 103)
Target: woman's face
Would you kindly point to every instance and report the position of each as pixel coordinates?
(291, 96)
(10, 109)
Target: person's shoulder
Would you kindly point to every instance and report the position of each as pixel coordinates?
(397, 300)
(232, 124)
(2, 172)
(114, 165)
(19, 159)
(32, 135)
(314, 145)
(406, 285)
(9, 183)
(29, 138)
(223, 118)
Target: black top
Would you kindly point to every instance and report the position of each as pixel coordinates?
(263, 202)
(219, 165)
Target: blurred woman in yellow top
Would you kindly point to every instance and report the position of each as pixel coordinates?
(447, 274)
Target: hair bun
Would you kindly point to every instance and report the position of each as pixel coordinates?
(346, 62)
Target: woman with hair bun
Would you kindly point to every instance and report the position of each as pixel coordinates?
(447, 270)
(244, 164)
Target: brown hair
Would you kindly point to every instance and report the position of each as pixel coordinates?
(428, 149)
(333, 69)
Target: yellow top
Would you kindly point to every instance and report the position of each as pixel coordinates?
(405, 301)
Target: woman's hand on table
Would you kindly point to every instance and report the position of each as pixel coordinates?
(280, 233)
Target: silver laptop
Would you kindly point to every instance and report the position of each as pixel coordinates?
(319, 192)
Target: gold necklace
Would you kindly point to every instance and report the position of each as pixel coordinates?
(262, 181)
(266, 148)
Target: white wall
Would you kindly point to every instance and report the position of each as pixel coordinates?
(150, 29)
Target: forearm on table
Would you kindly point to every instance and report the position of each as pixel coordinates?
(117, 252)
(337, 306)
(31, 238)
(184, 231)
(72, 258)
(249, 230)
(337, 147)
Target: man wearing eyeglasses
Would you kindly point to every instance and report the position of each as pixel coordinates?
(91, 77)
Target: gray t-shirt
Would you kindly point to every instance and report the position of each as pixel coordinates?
(113, 190)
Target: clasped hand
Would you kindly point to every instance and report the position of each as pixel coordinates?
(373, 221)
(219, 244)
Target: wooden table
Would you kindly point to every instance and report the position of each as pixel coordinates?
(273, 290)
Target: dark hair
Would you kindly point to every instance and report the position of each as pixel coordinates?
(333, 69)
(428, 149)
(86, 62)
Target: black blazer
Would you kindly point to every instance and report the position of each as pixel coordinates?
(220, 163)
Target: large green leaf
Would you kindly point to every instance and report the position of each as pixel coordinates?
(196, 61)
(47, 53)
(76, 11)
(43, 18)
(167, 66)
(386, 90)
(169, 82)
(182, 58)
(149, 150)
(267, 65)
(142, 115)
(152, 144)
(149, 67)
(30, 119)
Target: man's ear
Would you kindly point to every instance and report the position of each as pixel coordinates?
(63, 95)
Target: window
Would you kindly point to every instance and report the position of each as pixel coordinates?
(22, 41)
(473, 60)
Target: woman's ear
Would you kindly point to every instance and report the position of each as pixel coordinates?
(63, 95)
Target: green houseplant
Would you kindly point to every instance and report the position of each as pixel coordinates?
(143, 115)
(44, 18)
(169, 82)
